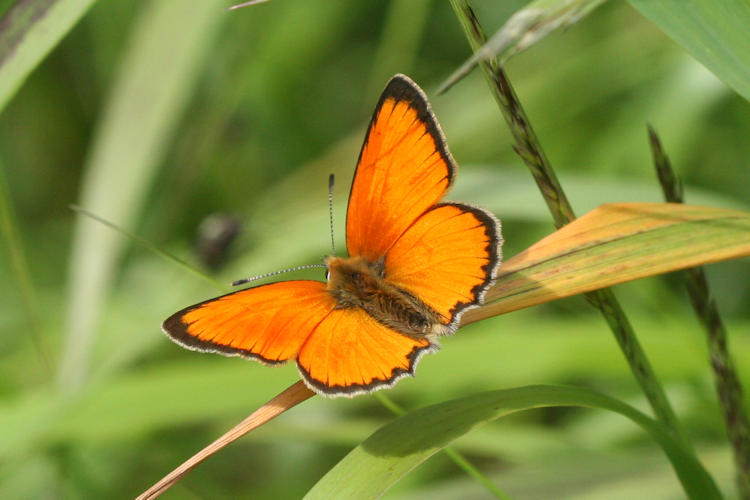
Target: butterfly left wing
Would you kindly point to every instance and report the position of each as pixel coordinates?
(351, 353)
(268, 323)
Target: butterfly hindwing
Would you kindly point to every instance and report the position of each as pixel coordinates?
(351, 353)
(268, 323)
(448, 258)
(404, 168)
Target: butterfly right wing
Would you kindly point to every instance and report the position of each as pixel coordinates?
(268, 323)
(448, 259)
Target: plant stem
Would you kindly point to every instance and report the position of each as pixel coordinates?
(728, 385)
(31, 308)
(531, 152)
(457, 457)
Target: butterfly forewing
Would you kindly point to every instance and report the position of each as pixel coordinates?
(269, 322)
(404, 168)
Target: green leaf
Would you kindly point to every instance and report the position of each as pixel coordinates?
(714, 32)
(30, 30)
(381, 460)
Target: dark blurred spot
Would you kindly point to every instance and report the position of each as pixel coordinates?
(215, 236)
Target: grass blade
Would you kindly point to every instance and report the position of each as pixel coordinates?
(292, 396)
(391, 452)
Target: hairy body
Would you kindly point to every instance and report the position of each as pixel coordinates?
(357, 282)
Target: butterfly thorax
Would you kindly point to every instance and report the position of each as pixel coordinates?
(356, 282)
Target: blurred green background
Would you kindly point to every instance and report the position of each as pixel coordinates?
(156, 115)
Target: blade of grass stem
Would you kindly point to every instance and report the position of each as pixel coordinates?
(451, 453)
(8, 228)
(728, 385)
(530, 150)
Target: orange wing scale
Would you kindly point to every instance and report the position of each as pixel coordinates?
(351, 353)
(447, 258)
(268, 323)
(404, 168)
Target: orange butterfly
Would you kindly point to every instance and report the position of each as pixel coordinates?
(415, 265)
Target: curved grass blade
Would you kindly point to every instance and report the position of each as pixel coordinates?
(613, 244)
(381, 460)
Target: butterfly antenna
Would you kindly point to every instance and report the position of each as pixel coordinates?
(330, 212)
(268, 275)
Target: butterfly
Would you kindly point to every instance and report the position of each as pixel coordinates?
(415, 264)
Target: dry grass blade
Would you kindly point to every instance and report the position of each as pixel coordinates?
(613, 244)
(292, 396)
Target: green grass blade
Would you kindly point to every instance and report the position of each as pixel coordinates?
(155, 80)
(380, 461)
(714, 32)
(28, 32)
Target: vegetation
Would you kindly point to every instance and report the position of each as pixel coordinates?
(157, 115)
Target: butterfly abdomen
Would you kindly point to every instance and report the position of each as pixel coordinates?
(355, 282)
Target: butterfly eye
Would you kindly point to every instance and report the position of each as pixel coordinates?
(328, 274)
(356, 276)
